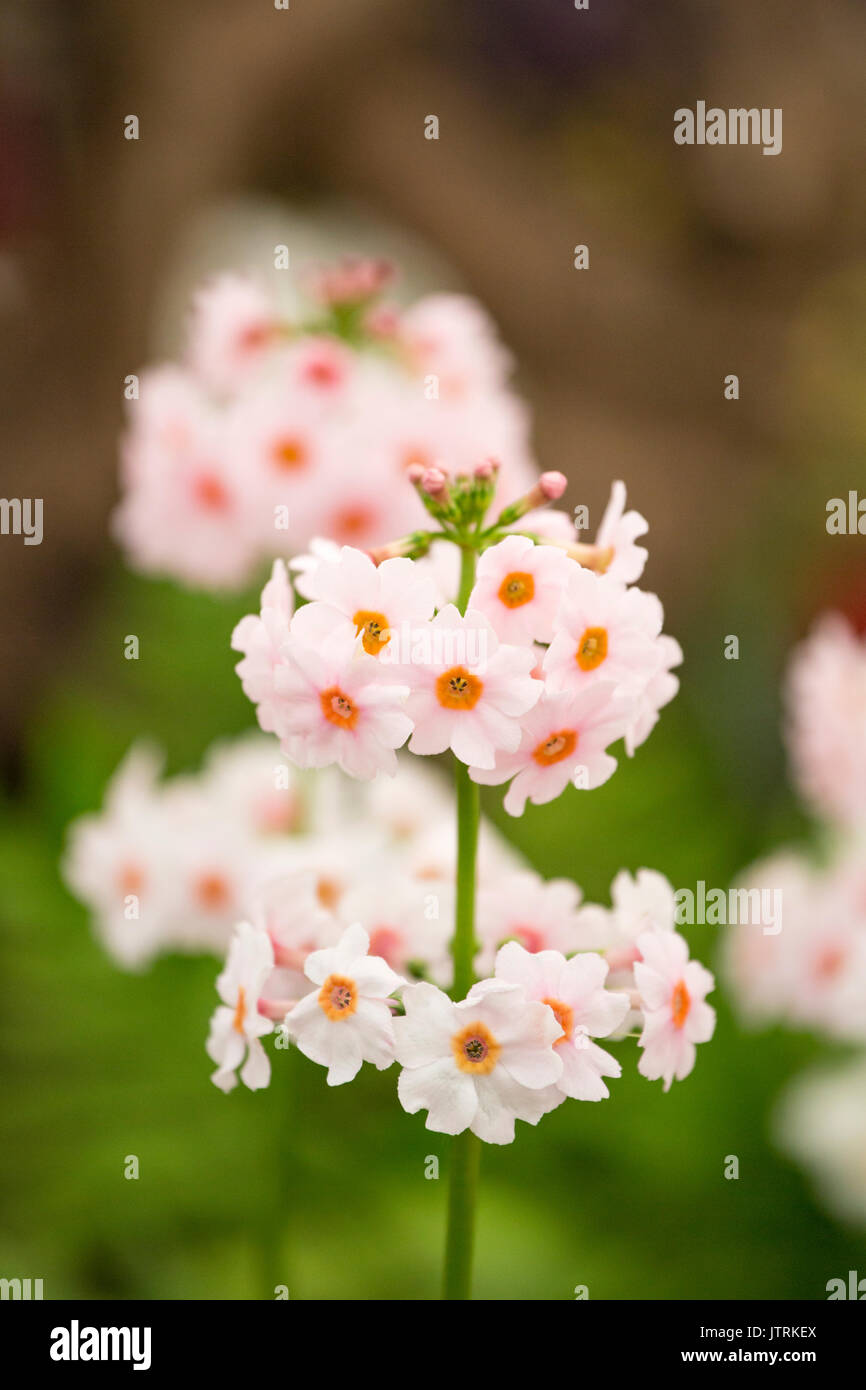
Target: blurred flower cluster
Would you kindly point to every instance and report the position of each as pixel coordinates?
(812, 974)
(285, 423)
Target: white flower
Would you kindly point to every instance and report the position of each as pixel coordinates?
(346, 1019)
(237, 1027)
(480, 1064)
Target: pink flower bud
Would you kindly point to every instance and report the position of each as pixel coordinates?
(552, 485)
(486, 469)
(433, 481)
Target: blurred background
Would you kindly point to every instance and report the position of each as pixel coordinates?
(306, 126)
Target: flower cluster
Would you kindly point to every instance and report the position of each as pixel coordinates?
(548, 657)
(524, 1038)
(174, 865)
(551, 663)
(286, 422)
(812, 973)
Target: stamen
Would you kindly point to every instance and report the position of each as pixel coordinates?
(516, 589)
(475, 1049)
(338, 997)
(373, 625)
(458, 689)
(556, 747)
(338, 708)
(592, 648)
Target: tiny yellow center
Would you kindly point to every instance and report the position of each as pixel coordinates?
(681, 1002)
(458, 689)
(475, 1049)
(375, 629)
(556, 747)
(338, 708)
(516, 589)
(592, 648)
(338, 997)
(564, 1017)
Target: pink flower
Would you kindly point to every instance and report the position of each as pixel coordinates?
(233, 325)
(540, 914)
(618, 532)
(519, 586)
(604, 632)
(563, 740)
(346, 1020)
(826, 725)
(331, 705)
(574, 991)
(468, 692)
(452, 337)
(184, 511)
(658, 692)
(480, 1064)
(237, 1027)
(378, 599)
(261, 639)
(676, 1017)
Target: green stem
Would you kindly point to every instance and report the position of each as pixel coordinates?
(465, 1147)
(465, 1161)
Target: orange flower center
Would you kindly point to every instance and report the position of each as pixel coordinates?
(289, 453)
(131, 881)
(475, 1049)
(210, 493)
(458, 689)
(564, 1017)
(338, 708)
(592, 648)
(212, 892)
(556, 747)
(352, 522)
(373, 626)
(240, 1011)
(516, 589)
(681, 1002)
(328, 892)
(338, 997)
(829, 963)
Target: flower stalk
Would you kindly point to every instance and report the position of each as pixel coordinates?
(465, 1147)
